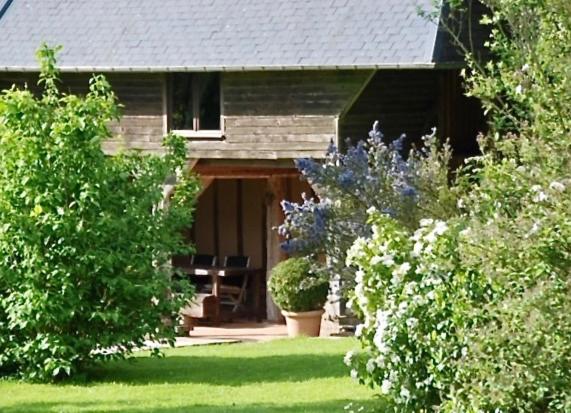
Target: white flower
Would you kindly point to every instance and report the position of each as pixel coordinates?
(359, 276)
(356, 250)
(402, 270)
(361, 297)
(525, 68)
(382, 319)
(409, 288)
(371, 365)
(371, 210)
(417, 249)
(386, 386)
(375, 260)
(519, 89)
(460, 203)
(155, 301)
(411, 322)
(426, 222)
(540, 197)
(430, 237)
(388, 260)
(379, 338)
(440, 228)
(534, 228)
(536, 188)
(404, 393)
(379, 342)
(557, 186)
(359, 330)
(431, 295)
(354, 374)
(348, 359)
(418, 300)
(465, 232)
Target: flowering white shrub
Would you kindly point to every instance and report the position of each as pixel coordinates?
(411, 293)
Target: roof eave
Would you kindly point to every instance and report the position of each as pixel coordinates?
(162, 69)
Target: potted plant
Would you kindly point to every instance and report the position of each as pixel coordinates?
(300, 293)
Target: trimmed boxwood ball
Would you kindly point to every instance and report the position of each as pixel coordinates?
(295, 287)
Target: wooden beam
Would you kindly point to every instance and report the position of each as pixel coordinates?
(239, 218)
(354, 98)
(274, 217)
(225, 172)
(205, 181)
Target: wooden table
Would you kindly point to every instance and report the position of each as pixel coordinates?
(218, 273)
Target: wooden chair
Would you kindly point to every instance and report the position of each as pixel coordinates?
(234, 294)
(206, 260)
(204, 305)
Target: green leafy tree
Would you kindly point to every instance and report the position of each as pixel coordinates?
(473, 315)
(85, 238)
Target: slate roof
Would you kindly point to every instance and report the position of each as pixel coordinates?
(195, 35)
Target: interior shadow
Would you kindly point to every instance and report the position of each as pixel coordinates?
(227, 371)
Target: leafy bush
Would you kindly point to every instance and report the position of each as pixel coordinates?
(84, 242)
(473, 314)
(295, 287)
(413, 296)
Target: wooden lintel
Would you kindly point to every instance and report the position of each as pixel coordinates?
(221, 172)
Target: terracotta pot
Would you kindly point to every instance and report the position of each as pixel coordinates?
(307, 323)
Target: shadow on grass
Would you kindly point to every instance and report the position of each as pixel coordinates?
(121, 407)
(227, 371)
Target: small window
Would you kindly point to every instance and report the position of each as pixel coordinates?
(195, 109)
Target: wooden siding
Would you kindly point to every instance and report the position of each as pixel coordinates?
(413, 102)
(403, 101)
(280, 115)
(231, 213)
(141, 124)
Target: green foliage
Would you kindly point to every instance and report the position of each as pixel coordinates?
(84, 241)
(518, 202)
(294, 286)
(414, 296)
(478, 319)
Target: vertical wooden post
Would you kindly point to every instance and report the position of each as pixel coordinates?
(274, 217)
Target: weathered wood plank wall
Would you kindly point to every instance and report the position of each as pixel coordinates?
(230, 217)
(141, 95)
(403, 101)
(273, 115)
(281, 115)
(229, 220)
(413, 102)
(267, 115)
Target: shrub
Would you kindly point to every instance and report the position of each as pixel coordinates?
(372, 173)
(295, 287)
(472, 314)
(84, 243)
(414, 297)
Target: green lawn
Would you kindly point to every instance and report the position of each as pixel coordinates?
(305, 375)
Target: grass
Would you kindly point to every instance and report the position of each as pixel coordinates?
(301, 376)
